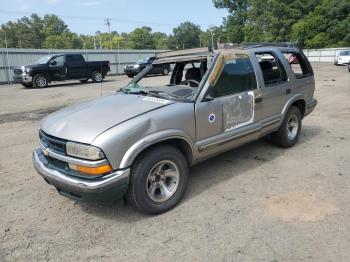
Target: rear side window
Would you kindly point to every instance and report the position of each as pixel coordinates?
(271, 68)
(237, 76)
(74, 59)
(299, 64)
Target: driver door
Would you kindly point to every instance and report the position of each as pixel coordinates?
(225, 118)
(57, 69)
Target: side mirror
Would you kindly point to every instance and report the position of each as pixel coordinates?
(53, 63)
(209, 96)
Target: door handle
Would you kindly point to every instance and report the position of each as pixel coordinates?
(258, 98)
(288, 91)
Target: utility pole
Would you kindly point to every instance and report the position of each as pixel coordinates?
(108, 23)
(94, 42)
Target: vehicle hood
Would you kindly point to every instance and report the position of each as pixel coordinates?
(84, 122)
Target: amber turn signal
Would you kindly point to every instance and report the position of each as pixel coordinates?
(99, 170)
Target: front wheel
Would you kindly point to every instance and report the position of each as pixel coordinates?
(27, 85)
(289, 132)
(40, 81)
(158, 180)
(97, 77)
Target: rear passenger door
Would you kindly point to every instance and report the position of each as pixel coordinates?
(273, 82)
(76, 66)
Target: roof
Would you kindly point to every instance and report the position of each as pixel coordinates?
(194, 54)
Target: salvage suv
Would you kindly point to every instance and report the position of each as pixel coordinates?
(141, 141)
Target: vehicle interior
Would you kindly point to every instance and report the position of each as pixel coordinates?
(184, 80)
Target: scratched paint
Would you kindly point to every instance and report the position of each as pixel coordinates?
(238, 111)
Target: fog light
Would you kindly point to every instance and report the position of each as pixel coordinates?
(99, 170)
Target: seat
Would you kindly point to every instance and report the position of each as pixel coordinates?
(193, 74)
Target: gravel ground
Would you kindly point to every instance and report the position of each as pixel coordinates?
(255, 203)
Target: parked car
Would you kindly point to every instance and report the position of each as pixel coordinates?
(141, 141)
(342, 58)
(60, 67)
(133, 69)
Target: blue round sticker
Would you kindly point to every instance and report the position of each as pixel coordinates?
(211, 118)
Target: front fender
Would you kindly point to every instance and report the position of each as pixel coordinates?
(150, 140)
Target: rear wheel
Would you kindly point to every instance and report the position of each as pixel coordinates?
(97, 77)
(130, 76)
(289, 132)
(158, 180)
(40, 81)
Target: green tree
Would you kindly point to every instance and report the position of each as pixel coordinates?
(187, 35)
(142, 38)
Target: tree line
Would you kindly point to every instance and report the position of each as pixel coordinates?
(310, 23)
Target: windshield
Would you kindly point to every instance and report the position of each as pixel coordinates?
(178, 80)
(345, 53)
(143, 61)
(43, 60)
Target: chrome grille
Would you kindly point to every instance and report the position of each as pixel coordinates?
(55, 144)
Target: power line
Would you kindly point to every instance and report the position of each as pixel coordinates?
(129, 21)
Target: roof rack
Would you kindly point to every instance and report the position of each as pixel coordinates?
(276, 44)
(259, 44)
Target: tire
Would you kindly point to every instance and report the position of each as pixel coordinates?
(165, 71)
(27, 85)
(147, 187)
(97, 77)
(40, 81)
(84, 80)
(130, 76)
(289, 132)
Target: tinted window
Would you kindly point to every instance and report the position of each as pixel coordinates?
(237, 76)
(74, 58)
(345, 53)
(272, 68)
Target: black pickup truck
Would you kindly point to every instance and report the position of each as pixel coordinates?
(60, 67)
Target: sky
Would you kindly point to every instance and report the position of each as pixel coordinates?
(87, 16)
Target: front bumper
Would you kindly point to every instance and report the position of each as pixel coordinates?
(109, 187)
(23, 78)
(131, 71)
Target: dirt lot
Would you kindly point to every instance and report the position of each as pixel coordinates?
(256, 203)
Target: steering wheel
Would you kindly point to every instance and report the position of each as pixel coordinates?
(193, 81)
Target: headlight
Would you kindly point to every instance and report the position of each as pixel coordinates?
(136, 66)
(84, 151)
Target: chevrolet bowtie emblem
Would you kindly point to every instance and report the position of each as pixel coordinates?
(45, 151)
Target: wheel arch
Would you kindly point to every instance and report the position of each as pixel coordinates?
(180, 142)
(298, 101)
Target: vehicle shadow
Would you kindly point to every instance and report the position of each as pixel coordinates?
(77, 83)
(206, 174)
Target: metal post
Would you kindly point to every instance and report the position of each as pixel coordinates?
(108, 23)
(94, 42)
(4, 63)
(118, 59)
(8, 63)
